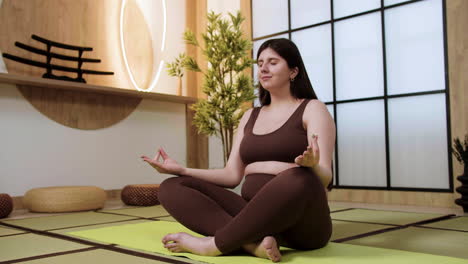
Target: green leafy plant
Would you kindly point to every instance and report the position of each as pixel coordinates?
(226, 85)
(461, 151)
(176, 69)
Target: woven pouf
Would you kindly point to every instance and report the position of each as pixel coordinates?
(140, 194)
(6, 205)
(64, 199)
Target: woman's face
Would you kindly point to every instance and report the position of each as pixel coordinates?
(273, 70)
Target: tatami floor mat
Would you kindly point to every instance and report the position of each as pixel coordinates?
(383, 217)
(28, 245)
(94, 256)
(459, 223)
(344, 229)
(167, 218)
(336, 207)
(146, 212)
(6, 231)
(424, 240)
(72, 229)
(67, 220)
(147, 236)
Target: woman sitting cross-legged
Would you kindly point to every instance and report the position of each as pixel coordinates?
(283, 149)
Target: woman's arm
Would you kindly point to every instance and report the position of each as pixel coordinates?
(230, 176)
(321, 136)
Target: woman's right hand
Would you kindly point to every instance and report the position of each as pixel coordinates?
(168, 165)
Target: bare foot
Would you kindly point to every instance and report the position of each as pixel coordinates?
(268, 249)
(183, 242)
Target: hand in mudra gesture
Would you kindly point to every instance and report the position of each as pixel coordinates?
(168, 165)
(311, 155)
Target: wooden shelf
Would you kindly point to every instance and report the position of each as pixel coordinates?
(57, 84)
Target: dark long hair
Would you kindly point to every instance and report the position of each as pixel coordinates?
(301, 86)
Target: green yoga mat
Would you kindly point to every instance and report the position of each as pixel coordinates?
(147, 212)
(147, 237)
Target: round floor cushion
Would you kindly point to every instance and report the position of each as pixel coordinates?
(140, 194)
(64, 199)
(6, 205)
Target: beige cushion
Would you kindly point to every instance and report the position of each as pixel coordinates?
(64, 199)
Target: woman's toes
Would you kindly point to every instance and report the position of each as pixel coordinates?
(170, 245)
(166, 239)
(171, 237)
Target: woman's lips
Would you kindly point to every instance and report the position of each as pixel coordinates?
(265, 78)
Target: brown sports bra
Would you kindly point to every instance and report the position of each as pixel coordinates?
(283, 144)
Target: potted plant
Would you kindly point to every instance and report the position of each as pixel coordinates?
(226, 86)
(461, 153)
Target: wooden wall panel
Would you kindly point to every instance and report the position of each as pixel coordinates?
(201, 10)
(80, 22)
(457, 20)
(191, 24)
(138, 44)
(246, 11)
(80, 109)
(196, 11)
(197, 145)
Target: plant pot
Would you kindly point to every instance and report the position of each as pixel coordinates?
(463, 179)
(463, 190)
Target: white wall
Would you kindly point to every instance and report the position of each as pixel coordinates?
(36, 151)
(2, 64)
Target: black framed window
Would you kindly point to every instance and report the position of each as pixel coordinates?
(381, 68)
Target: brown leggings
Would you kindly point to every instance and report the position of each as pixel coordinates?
(291, 206)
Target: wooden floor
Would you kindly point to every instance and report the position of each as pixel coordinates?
(38, 238)
(117, 204)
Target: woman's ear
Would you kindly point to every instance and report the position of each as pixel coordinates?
(294, 73)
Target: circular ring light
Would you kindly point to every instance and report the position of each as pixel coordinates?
(124, 54)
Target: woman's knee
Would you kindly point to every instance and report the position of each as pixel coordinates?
(314, 240)
(299, 177)
(168, 187)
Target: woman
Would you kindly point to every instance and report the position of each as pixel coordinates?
(284, 150)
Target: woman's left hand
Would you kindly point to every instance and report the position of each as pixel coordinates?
(311, 156)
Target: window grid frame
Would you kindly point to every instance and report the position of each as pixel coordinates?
(385, 96)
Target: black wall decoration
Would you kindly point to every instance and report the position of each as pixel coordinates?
(49, 55)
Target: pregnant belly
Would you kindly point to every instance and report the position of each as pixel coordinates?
(269, 167)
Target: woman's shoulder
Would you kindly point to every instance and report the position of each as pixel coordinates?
(246, 115)
(315, 108)
(315, 104)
